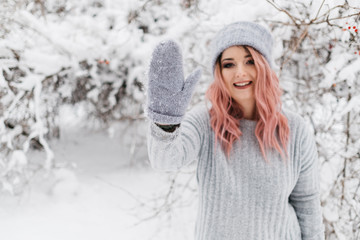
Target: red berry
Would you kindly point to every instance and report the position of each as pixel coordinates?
(349, 27)
(356, 30)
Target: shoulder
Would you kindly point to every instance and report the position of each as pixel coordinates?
(299, 127)
(198, 115)
(295, 120)
(199, 111)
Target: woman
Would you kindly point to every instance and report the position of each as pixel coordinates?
(257, 164)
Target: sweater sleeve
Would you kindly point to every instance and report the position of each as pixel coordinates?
(305, 197)
(170, 151)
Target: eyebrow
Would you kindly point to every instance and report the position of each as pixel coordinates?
(233, 59)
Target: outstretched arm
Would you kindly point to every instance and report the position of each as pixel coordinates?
(170, 145)
(170, 151)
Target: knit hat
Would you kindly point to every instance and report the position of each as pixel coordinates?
(243, 33)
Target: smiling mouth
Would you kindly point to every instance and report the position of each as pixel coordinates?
(242, 85)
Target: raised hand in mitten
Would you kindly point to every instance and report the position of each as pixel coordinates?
(168, 93)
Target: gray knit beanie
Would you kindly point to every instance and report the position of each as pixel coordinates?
(243, 33)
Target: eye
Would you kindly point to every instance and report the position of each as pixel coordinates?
(251, 61)
(228, 65)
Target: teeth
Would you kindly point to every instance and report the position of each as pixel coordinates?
(242, 84)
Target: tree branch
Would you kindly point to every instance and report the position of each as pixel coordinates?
(283, 10)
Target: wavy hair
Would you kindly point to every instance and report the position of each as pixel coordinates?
(272, 128)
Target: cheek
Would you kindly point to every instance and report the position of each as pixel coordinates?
(227, 76)
(254, 74)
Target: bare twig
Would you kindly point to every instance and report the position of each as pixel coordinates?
(317, 14)
(121, 189)
(336, 18)
(331, 9)
(300, 39)
(165, 205)
(283, 10)
(313, 47)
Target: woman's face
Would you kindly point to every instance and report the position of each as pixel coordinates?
(238, 69)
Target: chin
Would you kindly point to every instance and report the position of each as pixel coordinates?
(246, 101)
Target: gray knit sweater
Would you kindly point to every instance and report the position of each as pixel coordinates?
(244, 197)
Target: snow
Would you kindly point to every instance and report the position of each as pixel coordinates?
(44, 61)
(18, 160)
(354, 102)
(30, 82)
(95, 197)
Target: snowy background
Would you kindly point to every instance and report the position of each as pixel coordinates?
(73, 161)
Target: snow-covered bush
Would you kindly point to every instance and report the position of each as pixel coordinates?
(92, 54)
(320, 72)
(60, 52)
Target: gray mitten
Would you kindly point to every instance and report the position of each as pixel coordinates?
(168, 93)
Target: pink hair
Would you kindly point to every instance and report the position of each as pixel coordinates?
(225, 112)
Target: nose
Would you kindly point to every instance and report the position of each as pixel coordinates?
(240, 71)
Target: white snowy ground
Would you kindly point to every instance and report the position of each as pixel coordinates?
(102, 194)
